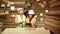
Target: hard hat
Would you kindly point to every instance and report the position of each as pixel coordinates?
(31, 12)
(19, 9)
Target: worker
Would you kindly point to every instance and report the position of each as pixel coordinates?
(30, 20)
(20, 18)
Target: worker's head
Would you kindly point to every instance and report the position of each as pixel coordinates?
(20, 11)
(30, 13)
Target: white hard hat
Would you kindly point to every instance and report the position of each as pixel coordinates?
(19, 9)
(31, 12)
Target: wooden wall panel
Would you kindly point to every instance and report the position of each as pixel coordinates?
(54, 3)
(52, 21)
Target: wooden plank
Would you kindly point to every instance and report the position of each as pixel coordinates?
(56, 12)
(55, 4)
(52, 1)
(53, 25)
(52, 29)
(53, 18)
(54, 22)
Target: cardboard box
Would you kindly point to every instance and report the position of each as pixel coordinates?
(25, 31)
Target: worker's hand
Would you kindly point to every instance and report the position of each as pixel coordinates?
(27, 22)
(17, 23)
(32, 24)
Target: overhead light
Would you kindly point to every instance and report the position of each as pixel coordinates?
(7, 12)
(2, 5)
(19, 2)
(8, 1)
(35, 16)
(42, 6)
(37, 0)
(12, 15)
(8, 5)
(12, 8)
(44, 2)
(46, 11)
(41, 14)
(40, 3)
(12, 3)
(41, 19)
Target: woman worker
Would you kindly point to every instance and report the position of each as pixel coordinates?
(30, 20)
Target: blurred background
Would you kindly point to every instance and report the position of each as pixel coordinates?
(47, 12)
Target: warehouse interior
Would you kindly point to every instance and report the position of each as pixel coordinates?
(47, 12)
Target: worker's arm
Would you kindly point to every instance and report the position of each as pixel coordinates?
(33, 22)
(16, 20)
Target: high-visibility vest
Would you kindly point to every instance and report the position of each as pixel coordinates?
(32, 21)
(21, 19)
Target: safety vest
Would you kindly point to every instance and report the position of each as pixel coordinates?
(21, 19)
(32, 21)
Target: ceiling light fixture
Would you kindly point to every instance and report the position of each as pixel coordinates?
(12, 3)
(2, 5)
(12, 15)
(12, 8)
(37, 0)
(40, 3)
(41, 19)
(42, 6)
(46, 11)
(41, 14)
(44, 2)
(8, 5)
